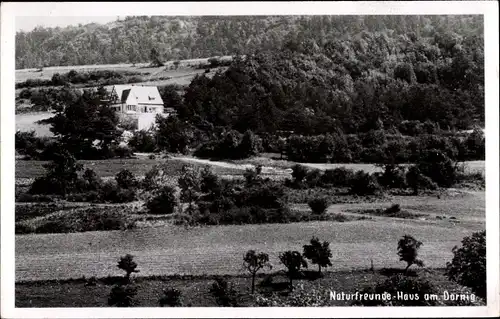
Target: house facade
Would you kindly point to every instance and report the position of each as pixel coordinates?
(133, 99)
(141, 103)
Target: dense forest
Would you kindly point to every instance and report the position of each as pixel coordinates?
(132, 39)
(346, 88)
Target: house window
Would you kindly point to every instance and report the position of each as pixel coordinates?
(130, 108)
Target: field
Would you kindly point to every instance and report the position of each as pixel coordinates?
(218, 250)
(26, 122)
(47, 73)
(140, 165)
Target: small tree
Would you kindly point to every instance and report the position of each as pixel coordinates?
(408, 251)
(319, 253)
(155, 58)
(122, 296)
(318, 205)
(127, 264)
(252, 175)
(299, 172)
(125, 179)
(254, 262)
(171, 298)
(61, 176)
(209, 180)
(293, 261)
(92, 181)
(189, 182)
(163, 203)
(224, 293)
(468, 266)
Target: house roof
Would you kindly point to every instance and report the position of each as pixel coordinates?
(132, 94)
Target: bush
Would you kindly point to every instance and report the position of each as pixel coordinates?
(313, 178)
(393, 176)
(408, 251)
(143, 141)
(125, 179)
(318, 205)
(92, 181)
(414, 288)
(439, 167)
(364, 184)
(299, 172)
(339, 177)
(156, 178)
(468, 266)
(163, 203)
(122, 296)
(251, 145)
(78, 220)
(416, 180)
(112, 193)
(224, 293)
(171, 297)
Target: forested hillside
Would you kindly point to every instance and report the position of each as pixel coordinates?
(132, 39)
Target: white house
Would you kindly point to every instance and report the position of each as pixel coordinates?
(133, 99)
(141, 103)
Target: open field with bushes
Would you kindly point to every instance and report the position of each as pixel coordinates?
(194, 289)
(217, 249)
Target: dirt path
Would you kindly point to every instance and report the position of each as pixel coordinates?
(265, 169)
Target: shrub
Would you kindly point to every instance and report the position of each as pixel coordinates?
(439, 167)
(416, 180)
(393, 210)
(318, 205)
(125, 179)
(127, 264)
(313, 178)
(299, 172)
(251, 145)
(79, 220)
(156, 178)
(408, 251)
(171, 297)
(224, 293)
(121, 152)
(143, 141)
(163, 203)
(468, 266)
(61, 175)
(92, 181)
(112, 193)
(414, 288)
(209, 180)
(293, 261)
(319, 253)
(122, 296)
(393, 176)
(364, 184)
(253, 262)
(252, 175)
(340, 177)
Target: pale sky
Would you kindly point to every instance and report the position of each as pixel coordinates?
(29, 23)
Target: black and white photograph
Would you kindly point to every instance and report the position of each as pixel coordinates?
(207, 155)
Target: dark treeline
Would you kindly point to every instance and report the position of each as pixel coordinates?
(132, 39)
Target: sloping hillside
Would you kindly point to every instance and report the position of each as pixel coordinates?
(132, 39)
